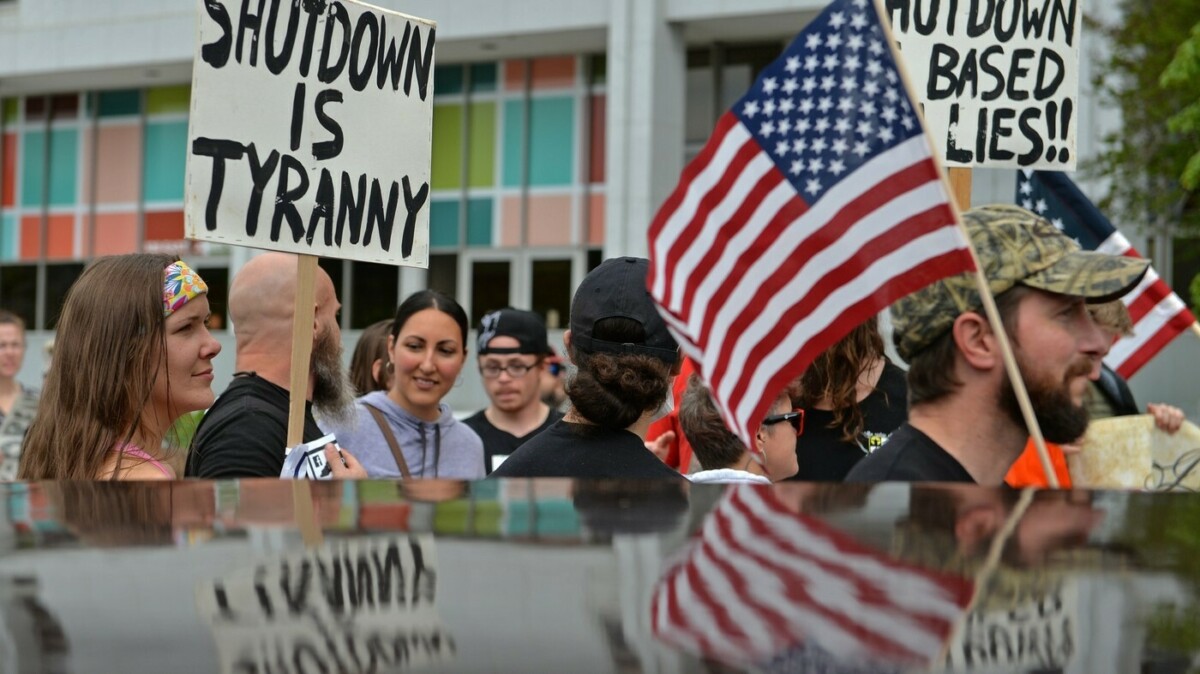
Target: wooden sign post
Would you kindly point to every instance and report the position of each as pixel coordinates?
(310, 132)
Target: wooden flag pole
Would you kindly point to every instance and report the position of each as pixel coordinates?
(985, 293)
(302, 345)
(1196, 328)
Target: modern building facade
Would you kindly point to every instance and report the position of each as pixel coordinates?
(559, 127)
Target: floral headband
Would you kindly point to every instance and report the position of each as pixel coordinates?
(180, 285)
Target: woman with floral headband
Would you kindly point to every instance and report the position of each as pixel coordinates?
(132, 354)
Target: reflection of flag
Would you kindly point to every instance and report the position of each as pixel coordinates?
(815, 203)
(761, 580)
(1158, 313)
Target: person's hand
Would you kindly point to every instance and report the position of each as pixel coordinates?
(1168, 418)
(661, 446)
(343, 464)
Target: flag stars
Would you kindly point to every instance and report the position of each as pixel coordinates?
(889, 115)
(825, 104)
(793, 64)
(781, 147)
(837, 167)
(858, 21)
(770, 84)
(750, 109)
(867, 107)
(1040, 206)
(767, 129)
(812, 186)
(908, 123)
(831, 62)
(861, 4)
(865, 128)
(842, 126)
(874, 68)
(834, 41)
(891, 76)
(799, 145)
(845, 105)
(784, 125)
(815, 165)
(790, 85)
(797, 167)
(891, 95)
(813, 41)
(822, 126)
(840, 146)
(871, 88)
(1026, 188)
(1027, 204)
(828, 83)
(803, 125)
(819, 145)
(885, 134)
(811, 63)
(861, 148)
(1058, 222)
(769, 107)
(810, 83)
(806, 106)
(849, 84)
(876, 47)
(837, 19)
(786, 106)
(855, 42)
(852, 63)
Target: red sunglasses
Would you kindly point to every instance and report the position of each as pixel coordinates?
(795, 418)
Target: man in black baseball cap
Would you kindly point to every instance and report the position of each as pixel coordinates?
(624, 358)
(512, 351)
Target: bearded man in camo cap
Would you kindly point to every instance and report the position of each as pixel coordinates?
(964, 422)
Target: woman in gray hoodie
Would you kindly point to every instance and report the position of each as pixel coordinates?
(406, 431)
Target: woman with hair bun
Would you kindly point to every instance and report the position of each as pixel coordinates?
(625, 358)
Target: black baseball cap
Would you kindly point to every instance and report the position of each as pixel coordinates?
(617, 289)
(524, 326)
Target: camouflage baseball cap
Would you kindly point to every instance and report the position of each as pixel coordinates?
(1014, 246)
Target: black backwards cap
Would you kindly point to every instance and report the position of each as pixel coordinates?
(617, 289)
(524, 326)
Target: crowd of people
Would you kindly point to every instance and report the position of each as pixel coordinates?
(630, 407)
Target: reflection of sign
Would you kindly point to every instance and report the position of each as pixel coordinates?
(358, 605)
(310, 129)
(998, 80)
(1037, 634)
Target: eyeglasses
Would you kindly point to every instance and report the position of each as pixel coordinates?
(516, 370)
(556, 369)
(795, 418)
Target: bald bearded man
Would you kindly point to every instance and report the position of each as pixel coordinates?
(244, 433)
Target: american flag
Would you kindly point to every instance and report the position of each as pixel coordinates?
(815, 204)
(761, 580)
(1158, 313)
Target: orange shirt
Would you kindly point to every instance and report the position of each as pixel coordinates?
(1027, 470)
(680, 455)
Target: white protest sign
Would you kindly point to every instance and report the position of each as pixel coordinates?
(356, 605)
(998, 79)
(1036, 634)
(310, 129)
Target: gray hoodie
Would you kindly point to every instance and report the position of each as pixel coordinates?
(446, 448)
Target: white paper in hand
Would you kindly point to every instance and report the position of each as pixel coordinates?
(307, 461)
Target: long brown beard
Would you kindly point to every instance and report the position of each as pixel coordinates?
(333, 394)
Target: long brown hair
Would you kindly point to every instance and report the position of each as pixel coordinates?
(110, 343)
(834, 376)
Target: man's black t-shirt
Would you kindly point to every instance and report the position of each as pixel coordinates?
(498, 444)
(909, 456)
(583, 451)
(245, 431)
(821, 452)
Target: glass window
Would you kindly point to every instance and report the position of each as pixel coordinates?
(489, 287)
(552, 291)
(443, 274)
(334, 267)
(217, 279)
(376, 290)
(18, 291)
(59, 278)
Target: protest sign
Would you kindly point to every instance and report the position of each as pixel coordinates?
(998, 79)
(1035, 633)
(310, 129)
(355, 605)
